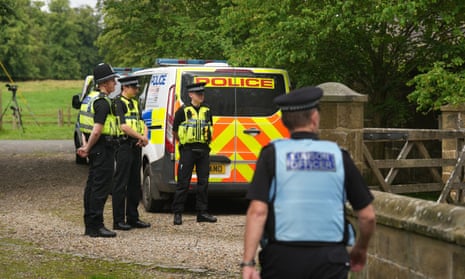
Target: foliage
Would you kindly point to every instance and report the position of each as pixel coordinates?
(374, 47)
(36, 43)
(439, 86)
(146, 30)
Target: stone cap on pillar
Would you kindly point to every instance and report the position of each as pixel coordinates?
(338, 92)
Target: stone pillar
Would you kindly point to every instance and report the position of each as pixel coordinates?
(342, 116)
(452, 118)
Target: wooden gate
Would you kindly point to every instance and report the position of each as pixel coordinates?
(385, 170)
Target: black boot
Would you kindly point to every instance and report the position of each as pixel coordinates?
(121, 226)
(177, 219)
(205, 217)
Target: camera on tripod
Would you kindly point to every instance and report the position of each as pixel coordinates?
(12, 87)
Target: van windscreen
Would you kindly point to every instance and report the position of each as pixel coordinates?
(237, 93)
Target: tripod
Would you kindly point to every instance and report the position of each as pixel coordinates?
(14, 107)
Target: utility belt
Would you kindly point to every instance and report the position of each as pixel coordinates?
(196, 147)
(110, 140)
(105, 139)
(132, 142)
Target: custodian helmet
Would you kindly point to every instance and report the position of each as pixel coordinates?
(103, 72)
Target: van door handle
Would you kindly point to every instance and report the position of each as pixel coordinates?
(252, 131)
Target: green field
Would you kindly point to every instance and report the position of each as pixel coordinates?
(40, 103)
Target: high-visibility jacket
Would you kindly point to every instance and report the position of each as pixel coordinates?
(87, 112)
(197, 126)
(307, 195)
(132, 115)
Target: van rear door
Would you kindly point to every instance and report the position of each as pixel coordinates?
(244, 115)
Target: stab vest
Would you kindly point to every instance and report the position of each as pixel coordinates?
(307, 194)
(87, 112)
(132, 115)
(196, 127)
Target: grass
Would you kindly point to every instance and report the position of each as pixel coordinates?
(20, 259)
(39, 103)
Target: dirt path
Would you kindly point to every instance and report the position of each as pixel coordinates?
(41, 201)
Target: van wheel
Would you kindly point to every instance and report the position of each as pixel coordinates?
(153, 200)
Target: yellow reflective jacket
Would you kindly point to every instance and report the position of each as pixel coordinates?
(87, 112)
(132, 115)
(196, 127)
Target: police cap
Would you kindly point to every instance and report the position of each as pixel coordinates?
(198, 88)
(300, 99)
(129, 81)
(103, 72)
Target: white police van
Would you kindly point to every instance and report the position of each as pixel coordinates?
(244, 119)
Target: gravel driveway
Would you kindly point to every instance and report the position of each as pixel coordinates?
(41, 201)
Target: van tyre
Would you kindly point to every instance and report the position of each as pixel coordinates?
(152, 199)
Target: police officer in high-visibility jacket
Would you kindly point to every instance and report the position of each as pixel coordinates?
(100, 128)
(298, 196)
(192, 127)
(127, 183)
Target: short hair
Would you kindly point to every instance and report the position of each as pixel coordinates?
(296, 119)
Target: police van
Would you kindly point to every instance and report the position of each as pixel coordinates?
(244, 120)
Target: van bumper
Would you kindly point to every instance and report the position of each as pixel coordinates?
(220, 189)
(230, 189)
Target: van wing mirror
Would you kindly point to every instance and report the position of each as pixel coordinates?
(76, 103)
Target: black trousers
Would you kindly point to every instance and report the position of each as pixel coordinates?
(126, 192)
(200, 158)
(99, 183)
(325, 262)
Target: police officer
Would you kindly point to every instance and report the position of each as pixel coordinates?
(297, 198)
(127, 183)
(192, 127)
(99, 126)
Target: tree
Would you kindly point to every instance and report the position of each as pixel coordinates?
(19, 44)
(374, 47)
(441, 85)
(129, 32)
(138, 32)
(36, 43)
(88, 30)
(62, 40)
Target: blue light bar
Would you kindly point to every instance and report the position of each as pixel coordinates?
(174, 61)
(125, 70)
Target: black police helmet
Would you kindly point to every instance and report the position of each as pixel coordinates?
(198, 88)
(103, 72)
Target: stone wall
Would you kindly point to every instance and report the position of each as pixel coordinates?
(415, 239)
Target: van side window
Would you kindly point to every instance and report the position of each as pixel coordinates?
(144, 84)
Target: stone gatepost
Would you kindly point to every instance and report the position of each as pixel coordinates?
(452, 118)
(342, 116)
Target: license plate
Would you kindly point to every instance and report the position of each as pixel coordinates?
(215, 168)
